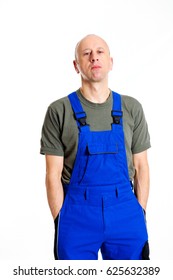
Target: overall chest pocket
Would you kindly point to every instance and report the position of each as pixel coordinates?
(102, 149)
(99, 164)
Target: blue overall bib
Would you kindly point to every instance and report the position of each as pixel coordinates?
(100, 210)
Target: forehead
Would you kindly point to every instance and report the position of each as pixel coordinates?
(91, 42)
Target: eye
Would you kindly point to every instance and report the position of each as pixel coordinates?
(100, 51)
(87, 53)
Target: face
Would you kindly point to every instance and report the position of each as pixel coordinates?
(93, 59)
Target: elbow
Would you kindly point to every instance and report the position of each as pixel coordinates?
(52, 179)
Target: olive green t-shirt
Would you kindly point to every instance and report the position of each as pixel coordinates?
(60, 131)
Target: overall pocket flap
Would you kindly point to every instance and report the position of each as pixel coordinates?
(102, 148)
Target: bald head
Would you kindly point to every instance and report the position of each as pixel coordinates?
(86, 42)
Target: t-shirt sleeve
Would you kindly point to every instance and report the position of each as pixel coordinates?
(51, 135)
(141, 137)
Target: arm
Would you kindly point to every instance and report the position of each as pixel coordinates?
(141, 179)
(55, 194)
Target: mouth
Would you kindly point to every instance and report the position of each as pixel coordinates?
(95, 67)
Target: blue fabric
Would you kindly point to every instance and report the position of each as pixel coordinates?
(100, 211)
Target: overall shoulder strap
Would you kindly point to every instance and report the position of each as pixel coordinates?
(117, 112)
(79, 113)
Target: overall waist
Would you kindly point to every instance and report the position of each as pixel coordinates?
(98, 190)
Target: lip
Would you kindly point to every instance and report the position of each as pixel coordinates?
(95, 67)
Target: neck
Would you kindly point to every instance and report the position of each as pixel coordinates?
(96, 93)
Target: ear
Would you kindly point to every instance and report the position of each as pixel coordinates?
(76, 66)
(111, 63)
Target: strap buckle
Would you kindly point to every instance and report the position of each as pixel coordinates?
(117, 115)
(81, 118)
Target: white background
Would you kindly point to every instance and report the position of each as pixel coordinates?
(37, 41)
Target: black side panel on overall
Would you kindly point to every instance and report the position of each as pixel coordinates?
(55, 240)
(146, 252)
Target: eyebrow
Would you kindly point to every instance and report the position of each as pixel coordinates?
(88, 49)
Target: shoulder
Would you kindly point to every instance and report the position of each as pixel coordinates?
(60, 105)
(61, 112)
(130, 102)
(131, 105)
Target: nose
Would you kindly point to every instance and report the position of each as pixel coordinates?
(93, 57)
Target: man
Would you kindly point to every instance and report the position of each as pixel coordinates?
(96, 142)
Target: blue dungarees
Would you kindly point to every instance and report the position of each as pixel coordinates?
(100, 210)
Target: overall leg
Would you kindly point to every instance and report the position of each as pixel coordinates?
(125, 231)
(78, 234)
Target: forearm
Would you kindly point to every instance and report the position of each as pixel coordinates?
(141, 185)
(55, 193)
